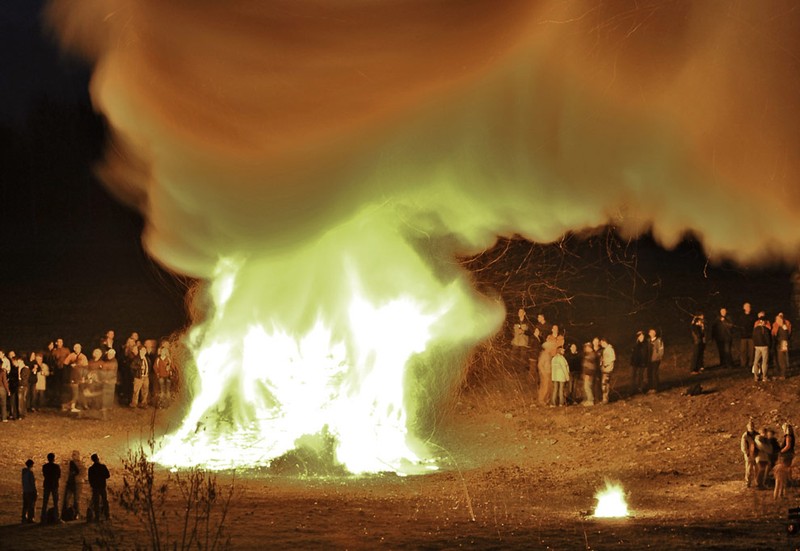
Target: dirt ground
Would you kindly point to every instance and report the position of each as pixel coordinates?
(513, 475)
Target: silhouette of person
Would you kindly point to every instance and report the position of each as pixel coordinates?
(28, 492)
(52, 474)
(98, 474)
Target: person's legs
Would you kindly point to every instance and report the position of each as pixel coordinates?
(606, 385)
(95, 505)
(137, 388)
(28, 506)
(762, 468)
(758, 361)
(3, 404)
(748, 470)
(55, 502)
(656, 376)
(145, 391)
(558, 393)
(75, 394)
(721, 352)
(76, 503)
(104, 503)
(23, 401)
(45, 500)
(544, 382)
(588, 382)
(69, 492)
(783, 362)
(728, 357)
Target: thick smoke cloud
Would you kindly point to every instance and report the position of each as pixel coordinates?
(246, 125)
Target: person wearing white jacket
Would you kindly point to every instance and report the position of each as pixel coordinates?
(559, 369)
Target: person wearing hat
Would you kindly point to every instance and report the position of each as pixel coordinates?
(28, 492)
(98, 474)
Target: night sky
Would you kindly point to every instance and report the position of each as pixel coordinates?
(72, 263)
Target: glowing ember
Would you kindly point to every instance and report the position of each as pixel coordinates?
(611, 502)
(317, 345)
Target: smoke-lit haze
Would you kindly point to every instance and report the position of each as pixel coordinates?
(254, 122)
(250, 130)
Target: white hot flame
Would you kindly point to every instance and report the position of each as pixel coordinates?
(274, 369)
(611, 502)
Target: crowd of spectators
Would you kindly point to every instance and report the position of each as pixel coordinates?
(68, 379)
(569, 373)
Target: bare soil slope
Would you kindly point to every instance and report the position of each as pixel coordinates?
(513, 475)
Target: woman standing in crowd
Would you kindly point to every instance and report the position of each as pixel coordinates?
(560, 375)
(786, 453)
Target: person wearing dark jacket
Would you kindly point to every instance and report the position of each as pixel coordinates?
(640, 358)
(28, 492)
(722, 333)
(52, 474)
(5, 392)
(98, 475)
(24, 376)
(747, 321)
(72, 491)
(699, 343)
(140, 369)
(13, 387)
(761, 341)
(574, 362)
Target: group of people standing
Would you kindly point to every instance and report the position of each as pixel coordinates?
(765, 457)
(60, 377)
(97, 475)
(761, 344)
(558, 371)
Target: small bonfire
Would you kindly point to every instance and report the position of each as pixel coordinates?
(611, 502)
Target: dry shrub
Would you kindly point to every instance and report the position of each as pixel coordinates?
(193, 519)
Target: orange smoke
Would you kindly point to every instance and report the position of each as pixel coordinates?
(254, 125)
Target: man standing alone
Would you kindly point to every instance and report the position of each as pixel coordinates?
(52, 474)
(98, 474)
